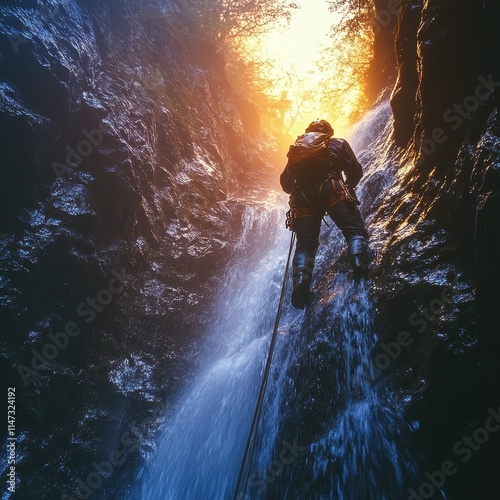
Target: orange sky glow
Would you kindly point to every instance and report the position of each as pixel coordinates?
(295, 48)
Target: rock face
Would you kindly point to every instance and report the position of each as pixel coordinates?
(125, 169)
(445, 119)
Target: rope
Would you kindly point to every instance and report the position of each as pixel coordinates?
(252, 436)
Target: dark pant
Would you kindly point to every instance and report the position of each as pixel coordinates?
(346, 216)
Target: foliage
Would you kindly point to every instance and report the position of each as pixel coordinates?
(346, 66)
(221, 20)
(356, 18)
(285, 96)
(347, 61)
(278, 97)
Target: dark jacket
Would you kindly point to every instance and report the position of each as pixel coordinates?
(342, 160)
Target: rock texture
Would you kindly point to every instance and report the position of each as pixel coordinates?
(445, 119)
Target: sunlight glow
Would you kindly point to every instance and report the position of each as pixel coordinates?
(300, 43)
(296, 74)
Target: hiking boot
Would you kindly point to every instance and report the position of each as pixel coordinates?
(301, 296)
(358, 256)
(360, 267)
(303, 265)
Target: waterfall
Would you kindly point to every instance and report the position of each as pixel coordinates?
(330, 428)
(198, 453)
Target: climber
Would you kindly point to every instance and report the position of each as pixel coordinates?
(313, 178)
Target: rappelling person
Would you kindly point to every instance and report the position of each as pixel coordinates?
(320, 176)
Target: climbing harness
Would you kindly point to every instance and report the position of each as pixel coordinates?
(351, 194)
(290, 215)
(297, 213)
(341, 192)
(244, 472)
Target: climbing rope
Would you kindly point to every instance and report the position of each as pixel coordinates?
(252, 436)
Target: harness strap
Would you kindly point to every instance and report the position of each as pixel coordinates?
(299, 212)
(304, 195)
(339, 193)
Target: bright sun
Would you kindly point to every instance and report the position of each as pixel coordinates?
(296, 49)
(299, 43)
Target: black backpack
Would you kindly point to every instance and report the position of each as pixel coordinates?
(309, 156)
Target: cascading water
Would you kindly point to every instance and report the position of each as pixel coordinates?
(330, 428)
(198, 454)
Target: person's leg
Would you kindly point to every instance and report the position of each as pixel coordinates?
(307, 230)
(347, 217)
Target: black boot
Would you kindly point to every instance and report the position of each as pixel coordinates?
(303, 265)
(358, 255)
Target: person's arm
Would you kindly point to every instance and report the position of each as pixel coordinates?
(352, 168)
(286, 181)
